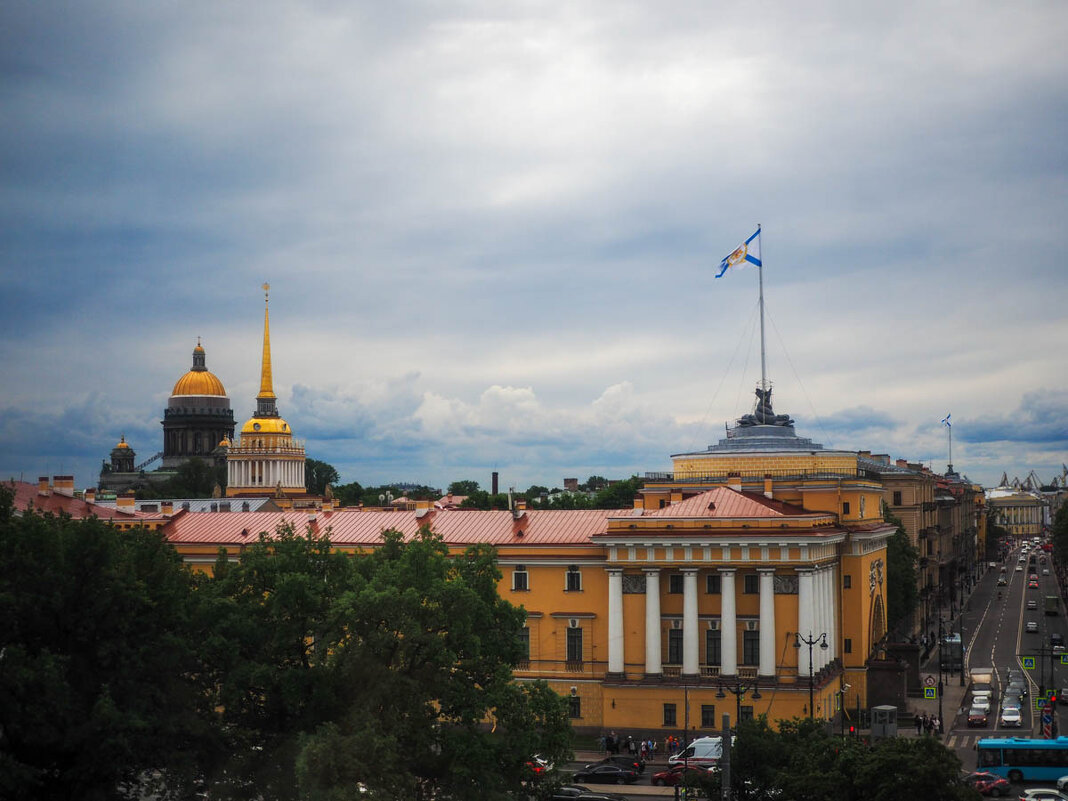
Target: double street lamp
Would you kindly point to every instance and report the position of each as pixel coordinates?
(739, 689)
(810, 641)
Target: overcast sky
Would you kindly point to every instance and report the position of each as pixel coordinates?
(492, 229)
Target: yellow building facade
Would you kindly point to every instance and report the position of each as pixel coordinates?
(750, 581)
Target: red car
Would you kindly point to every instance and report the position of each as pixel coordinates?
(675, 775)
(987, 783)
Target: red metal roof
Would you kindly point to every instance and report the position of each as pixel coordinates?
(723, 502)
(352, 527)
(28, 495)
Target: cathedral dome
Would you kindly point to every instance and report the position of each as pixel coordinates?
(199, 380)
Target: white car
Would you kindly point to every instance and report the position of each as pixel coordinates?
(1031, 627)
(1042, 794)
(1010, 716)
(1045, 571)
(1019, 568)
(981, 702)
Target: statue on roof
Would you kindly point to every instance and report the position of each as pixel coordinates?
(763, 414)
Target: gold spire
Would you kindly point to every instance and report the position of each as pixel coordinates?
(266, 382)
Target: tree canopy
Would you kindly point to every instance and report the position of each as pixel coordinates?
(317, 475)
(296, 671)
(901, 561)
(803, 761)
(466, 487)
(378, 670)
(98, 671)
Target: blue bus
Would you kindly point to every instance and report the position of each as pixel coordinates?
(1024, 759)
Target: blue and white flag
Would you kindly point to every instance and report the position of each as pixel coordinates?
(945, 421)
(747, 253)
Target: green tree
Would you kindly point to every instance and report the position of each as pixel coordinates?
(902, 559)
(466, 487)
(1060, 534)
(595, 483)
(99, 681)
(317, 475)
(377, 670)
(619, 495)
(480, 499)
(349, 494)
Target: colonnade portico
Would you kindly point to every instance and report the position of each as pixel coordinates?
(816, 613)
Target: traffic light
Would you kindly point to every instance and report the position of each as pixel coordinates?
(852, 730)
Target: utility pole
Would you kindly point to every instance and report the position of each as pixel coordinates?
(725, 759)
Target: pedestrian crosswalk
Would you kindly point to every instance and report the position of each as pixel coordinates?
(959, 740)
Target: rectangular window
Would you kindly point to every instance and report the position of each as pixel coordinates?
(574, 645)
(897, 497)
(847, 581)
(746, 712)
(524, 643)
(712, 648)
(847, 645)
(713, 584)
(750, 647)
(574, 707)
(845, 507)
(669, 715)
(519, 579)
(675, 647)
(751, 584)
(574, 580)
(675, 584)
(708, 716)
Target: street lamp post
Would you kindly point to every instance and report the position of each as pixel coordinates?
(941, 668)
(810, 641)
(739, 689)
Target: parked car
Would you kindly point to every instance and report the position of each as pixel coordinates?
(1042, 794)
(1031, 627)
(606, 774)
(987, 783)
(1010, 716)
(675, 775)
(634, 763)
(976, 717)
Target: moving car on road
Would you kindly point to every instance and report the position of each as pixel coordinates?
(1031, 627)
(976, 717)
(1010, 716)
(606, 774)
(987, 783)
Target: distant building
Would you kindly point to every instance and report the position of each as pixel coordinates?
(267, 458)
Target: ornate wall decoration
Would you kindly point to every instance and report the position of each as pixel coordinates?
(633, 585)
(785, 585)
(875, 575)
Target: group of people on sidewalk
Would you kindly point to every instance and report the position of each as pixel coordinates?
(928, 724)
(647, 749)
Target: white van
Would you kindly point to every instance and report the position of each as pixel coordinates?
(704, 752)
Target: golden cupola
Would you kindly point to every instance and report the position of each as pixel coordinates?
(199, 380)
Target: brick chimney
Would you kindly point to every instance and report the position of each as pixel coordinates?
(90, 495)
(734, 481)
(769, 488)
(166, 508)
(42, 486)
(64, 485)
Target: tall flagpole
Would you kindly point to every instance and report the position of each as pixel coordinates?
(763, 358)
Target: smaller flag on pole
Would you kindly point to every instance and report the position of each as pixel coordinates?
(945, 421)
(745, 254)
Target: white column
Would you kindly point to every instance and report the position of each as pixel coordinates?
(652, 622)
(805, 610)
(817, 623)
(832, 628)
(767, 622)
(690, 662)
(728, 624)
(615, 620)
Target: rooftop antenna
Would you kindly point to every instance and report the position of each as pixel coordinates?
(949, 430)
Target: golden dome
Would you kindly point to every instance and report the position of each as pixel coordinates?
(266, 425)
(122, 442)
(199, 382)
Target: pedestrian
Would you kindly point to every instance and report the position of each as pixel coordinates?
(602, 743)
(631, 748)
(610, 743)
(926, 723)
(938, 725)
(645, 750)
(919, 725)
